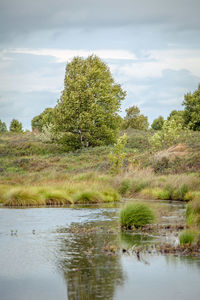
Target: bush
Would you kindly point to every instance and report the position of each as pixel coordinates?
(187, 237)
(136, 215)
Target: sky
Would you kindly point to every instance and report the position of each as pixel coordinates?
(151, 46)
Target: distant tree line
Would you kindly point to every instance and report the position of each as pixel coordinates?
(15, 127)
(87, 113)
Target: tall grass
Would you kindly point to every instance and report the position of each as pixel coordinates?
(136, 215)
(187, 237)
(57, 195)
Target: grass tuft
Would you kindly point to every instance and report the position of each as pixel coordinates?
(136, 215)
(187, 237)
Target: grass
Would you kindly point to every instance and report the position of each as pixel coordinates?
(44, 169)
(136, 215)
(187, 237)
(57, 195)
(193, 213)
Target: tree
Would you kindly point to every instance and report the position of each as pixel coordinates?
(43, 119)
(134, 119)
(167, 136)
(86, 113)
(158, 123)
(3, 127)
(117, 156)
(16, 126)
(192, 108)
(178, 116)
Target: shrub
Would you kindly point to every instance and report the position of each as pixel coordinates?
(136, 215)
(187, 237)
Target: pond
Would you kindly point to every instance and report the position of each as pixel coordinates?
(79, 253)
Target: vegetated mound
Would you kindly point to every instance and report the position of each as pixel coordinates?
(180, 151)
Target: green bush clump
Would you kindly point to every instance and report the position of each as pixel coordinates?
(88, 197)
(187, 237)
(55, 197)
(111, 196)
(136, 215)
(22, 197)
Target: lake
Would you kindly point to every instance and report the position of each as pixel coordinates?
(77, 253)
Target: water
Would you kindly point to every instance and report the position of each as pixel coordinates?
(61, 253)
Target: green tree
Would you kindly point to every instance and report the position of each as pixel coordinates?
(86, 113)
(167, 136)
(16, 126)
(192, 109)
(3, 127)
(117, 156)
(134, 119)
(43, 119)
(158, 123)
(178, 116)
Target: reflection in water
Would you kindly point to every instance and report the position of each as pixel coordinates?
(129, 240)
(89, 272)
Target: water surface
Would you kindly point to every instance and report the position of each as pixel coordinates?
(60, 253)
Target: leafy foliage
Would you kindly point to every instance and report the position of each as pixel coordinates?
(134, 119)
(166, 137)
(43, 119)
(3, 127)
(158, 123)
(192, 109)
(178, 116)
(117, 156)
(86, 113)
(16, 126)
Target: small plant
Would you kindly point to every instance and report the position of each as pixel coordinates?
(117, 156)
(136, 215)
(193, 212)
(187, 237)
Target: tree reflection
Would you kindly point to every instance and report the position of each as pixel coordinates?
(90, 273)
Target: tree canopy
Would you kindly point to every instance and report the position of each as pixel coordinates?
(16, 126)
(3, 127)
(192, 109)
(158, 123)
(43, 119)
(178, 116)
(86, 113)
(134, 119)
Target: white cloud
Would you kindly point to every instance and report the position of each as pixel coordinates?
(156, 61)
(67, 54)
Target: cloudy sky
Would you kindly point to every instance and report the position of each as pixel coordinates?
(151, 46)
